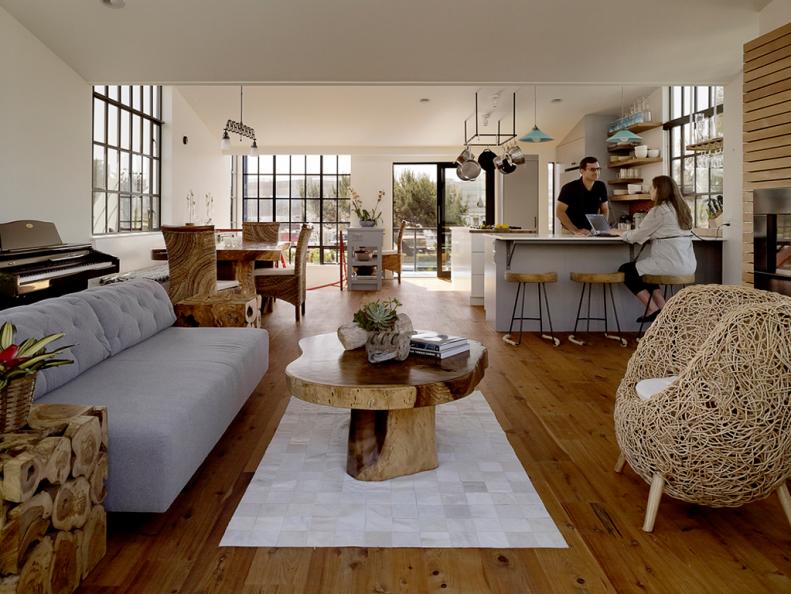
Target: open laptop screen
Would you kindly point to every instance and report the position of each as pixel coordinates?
(598, 223)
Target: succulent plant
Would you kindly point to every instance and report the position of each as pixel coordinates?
(27, 358)
(378, 315)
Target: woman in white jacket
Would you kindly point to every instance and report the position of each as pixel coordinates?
(667, 227)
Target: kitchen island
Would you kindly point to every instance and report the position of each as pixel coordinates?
(564, 254)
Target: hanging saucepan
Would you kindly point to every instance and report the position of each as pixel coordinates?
(508, 166)
(466, 155)
(486, 160)
(516, 155)
(460, 174)
(469, 169)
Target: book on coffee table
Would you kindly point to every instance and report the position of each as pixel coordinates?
(461, 347)
(434, 341)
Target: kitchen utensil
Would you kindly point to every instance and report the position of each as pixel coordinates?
(516, 155)
(465, 155)
(640, 152)
(470, 169)
(653, 153)
(460, 174)
(508, 166)
(486, 160)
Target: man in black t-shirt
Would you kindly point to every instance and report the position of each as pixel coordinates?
(587, 195)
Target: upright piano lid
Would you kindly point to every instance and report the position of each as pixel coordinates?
(21, 235)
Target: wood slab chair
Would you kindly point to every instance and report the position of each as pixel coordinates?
(391, 259)
(198, 298)
(287, 284)
(703, 412)
(262, 232)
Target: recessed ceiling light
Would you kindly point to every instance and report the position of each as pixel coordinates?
(557, 100)
(114, 3)
(424, 99)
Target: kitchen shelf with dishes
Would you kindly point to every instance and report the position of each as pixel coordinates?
(365, 258)
(633, 162)
(629, 197)
(624, 180)
(712, 145)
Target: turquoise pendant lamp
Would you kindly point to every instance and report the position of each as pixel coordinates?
(535, 135)
(624, 136)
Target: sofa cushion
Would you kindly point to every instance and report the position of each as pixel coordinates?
(98, 322)
(73, 316)
(130, 312)
(169, 400)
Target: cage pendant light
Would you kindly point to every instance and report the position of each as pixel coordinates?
(535, 135)
(238, 128)
(624, 136)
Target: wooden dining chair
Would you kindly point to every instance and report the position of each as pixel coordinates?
(287, 284)
(263, 232)
(391, 259)
(192, 260)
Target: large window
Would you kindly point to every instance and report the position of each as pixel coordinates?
(127, 128)
(695, 118)
(296, 189)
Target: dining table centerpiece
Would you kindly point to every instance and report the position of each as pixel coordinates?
(19, 365)
(367, 218)
(384, 332)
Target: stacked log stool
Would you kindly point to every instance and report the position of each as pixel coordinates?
(606, 280)
(53, 527)
(539, 279)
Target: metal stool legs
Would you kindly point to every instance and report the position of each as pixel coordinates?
(588, 317)
(540, 319)
(671, 289)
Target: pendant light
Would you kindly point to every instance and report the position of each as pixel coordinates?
(535, 135)
(239, 128)
(624, 136)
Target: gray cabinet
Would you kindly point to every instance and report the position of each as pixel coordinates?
(364, 258)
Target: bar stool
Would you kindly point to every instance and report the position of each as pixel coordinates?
(606, 280)
(540, 279)
(671, 283)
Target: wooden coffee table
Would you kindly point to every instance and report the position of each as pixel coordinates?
(391, 431)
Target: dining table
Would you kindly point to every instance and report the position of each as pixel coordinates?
(244, 254)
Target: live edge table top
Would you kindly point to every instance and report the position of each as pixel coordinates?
(327, 374)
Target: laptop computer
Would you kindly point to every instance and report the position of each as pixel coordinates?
(600, 227)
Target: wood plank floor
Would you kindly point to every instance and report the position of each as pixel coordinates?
(555, 405)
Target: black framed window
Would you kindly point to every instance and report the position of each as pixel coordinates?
(297, 189)
(127, 164)
(696, 113)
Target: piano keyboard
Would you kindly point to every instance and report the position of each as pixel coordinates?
(58, 272)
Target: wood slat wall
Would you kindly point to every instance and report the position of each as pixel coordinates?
(766, 125)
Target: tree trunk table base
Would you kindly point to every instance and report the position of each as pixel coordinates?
(53, 527)
(384, 444)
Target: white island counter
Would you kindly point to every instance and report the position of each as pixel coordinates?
(565, 254)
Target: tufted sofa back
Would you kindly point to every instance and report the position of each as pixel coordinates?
(98, 322)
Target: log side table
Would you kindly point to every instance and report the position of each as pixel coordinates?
(53, 527)
(392, 425)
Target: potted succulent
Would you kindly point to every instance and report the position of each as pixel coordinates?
(368, 218)
(19, 364)
(384, 342)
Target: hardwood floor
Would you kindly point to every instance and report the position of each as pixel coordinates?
(555, 405)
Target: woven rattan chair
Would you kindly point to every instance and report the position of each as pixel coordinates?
(288, 284)
(391, 259)
(719, 434)
(192, 262)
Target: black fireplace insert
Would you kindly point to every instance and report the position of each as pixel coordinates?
(772, 239)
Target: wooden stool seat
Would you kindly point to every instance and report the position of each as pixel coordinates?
(669, 279)
(531, 277)
(598, 277)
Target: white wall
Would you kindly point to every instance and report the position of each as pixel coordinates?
(775, 14)
(732, 181)
(198, 166)
(45, 119)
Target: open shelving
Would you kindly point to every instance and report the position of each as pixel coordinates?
(630, 197)
(625, 180)
(712, 145)
(365, 274)
(633, 162)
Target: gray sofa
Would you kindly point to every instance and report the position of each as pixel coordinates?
(170, 392)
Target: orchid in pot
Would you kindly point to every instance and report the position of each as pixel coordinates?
(19, 364)
(368, 218)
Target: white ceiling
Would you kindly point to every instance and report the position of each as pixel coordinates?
(396, 41)
(351, 72)
(393, 116)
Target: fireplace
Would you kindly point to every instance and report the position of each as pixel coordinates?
(772, 239)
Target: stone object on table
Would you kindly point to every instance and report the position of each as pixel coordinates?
(383, 346)
(352, 336)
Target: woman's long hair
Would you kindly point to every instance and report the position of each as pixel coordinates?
(667, 191)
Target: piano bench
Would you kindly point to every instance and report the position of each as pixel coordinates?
(219, 310)
(159, 273)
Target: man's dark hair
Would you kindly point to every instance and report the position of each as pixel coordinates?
(585, 161)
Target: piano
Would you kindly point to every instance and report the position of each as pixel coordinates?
(35, 264)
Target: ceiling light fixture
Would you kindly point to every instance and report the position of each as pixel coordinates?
(479, 138)
(624, 136)
(535, 135)
(238, 128)
(114, 3)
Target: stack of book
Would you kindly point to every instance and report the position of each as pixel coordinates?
(438, 345)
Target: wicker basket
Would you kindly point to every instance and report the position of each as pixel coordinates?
(15, 401)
